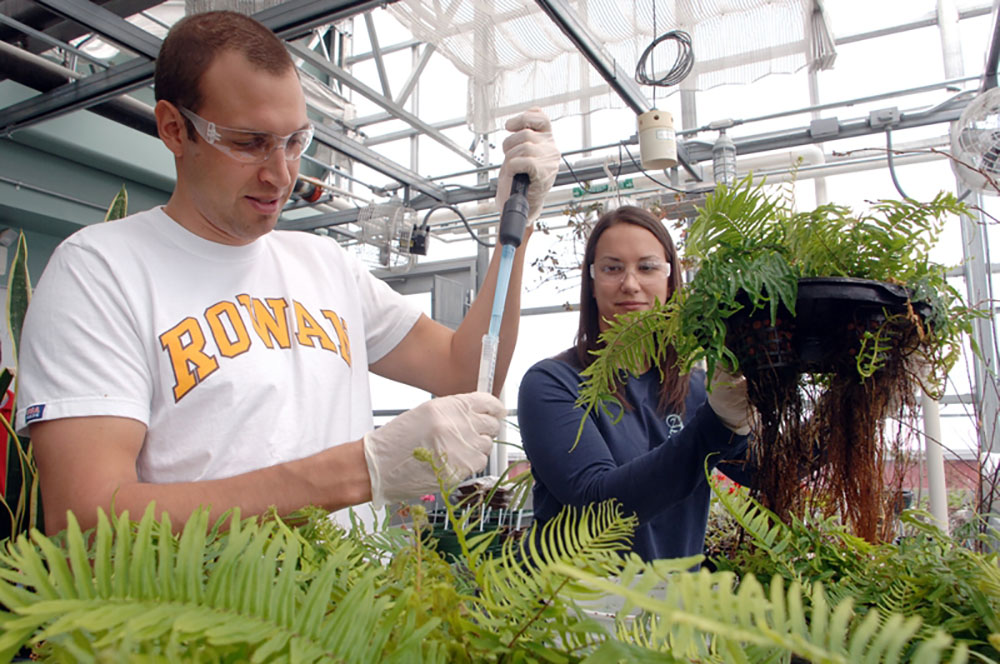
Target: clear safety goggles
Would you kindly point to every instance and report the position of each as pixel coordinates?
(250, 147)
(645, 271)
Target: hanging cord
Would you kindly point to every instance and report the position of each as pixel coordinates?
(682, 64)
(446, 206)
(573, 173)
(892, 168)
(645, 172)
(652, 61)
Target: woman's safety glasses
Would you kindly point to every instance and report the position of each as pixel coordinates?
(649, 271)
(250, 147)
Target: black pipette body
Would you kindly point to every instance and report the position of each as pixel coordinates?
(514, 217)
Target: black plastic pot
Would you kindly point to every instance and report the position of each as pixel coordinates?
(832, 315)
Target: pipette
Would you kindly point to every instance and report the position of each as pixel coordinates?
(513, 219)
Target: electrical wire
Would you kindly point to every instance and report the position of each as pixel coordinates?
(682, 64)
(646, 173)
(621, 145)
(573, 173)
(447, 206)
(889, 162)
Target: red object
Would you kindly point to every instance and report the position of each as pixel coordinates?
(6, 409)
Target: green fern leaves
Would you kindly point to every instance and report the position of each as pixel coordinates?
(750, 248)
(245, 595)
(261, 590)
(706, 617)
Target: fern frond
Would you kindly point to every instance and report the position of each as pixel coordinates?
(142, 590)
(519, 593)
(770, 535)
(701, 614)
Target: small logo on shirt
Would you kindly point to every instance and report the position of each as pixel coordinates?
(674, 423)
(34, 412)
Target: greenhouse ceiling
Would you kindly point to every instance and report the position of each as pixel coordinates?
(571, 58)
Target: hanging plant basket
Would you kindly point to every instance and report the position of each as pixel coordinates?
(828, 330)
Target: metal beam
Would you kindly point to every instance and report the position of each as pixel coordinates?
(699, 151)
(411, 132)
(352, 60)
(418, 69)
(379, 62)
(43, 75)
(928, 22)
(55, 26)
(76, 95)
(51, 41)
(288, 20)
(373, 95)
(377, 162)
(107, 24)
(296, 18)
(581, 36)
(619, 80)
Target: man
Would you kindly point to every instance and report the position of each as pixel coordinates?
(190, 355)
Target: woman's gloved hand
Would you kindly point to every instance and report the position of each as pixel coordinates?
(529, 149)
(457, 430)
(727, 396)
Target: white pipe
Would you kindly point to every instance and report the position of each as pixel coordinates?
(813, 164)
(806, 155)
(935, 462)
(334, 205)
(316, 182)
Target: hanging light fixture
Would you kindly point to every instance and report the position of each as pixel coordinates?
(724, 159)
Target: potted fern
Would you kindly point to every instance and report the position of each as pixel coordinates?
(835, 316)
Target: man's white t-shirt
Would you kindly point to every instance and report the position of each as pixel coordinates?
(235, 358)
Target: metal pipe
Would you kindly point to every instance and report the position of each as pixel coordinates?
(43, 75)
(51, 41)
(990, 75)
(339, 172)
(837, 104)
(18, 184)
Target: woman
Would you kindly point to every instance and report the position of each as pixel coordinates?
(653, 460)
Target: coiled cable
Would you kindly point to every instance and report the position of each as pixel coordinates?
(682, 64)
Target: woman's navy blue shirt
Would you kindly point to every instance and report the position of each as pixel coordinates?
(654, 465)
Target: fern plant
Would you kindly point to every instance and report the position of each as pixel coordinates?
(926, 574)
(265, 590)
(301, 589)
(749, 243)
(750, 250)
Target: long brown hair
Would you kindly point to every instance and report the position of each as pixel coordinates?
(674, 387)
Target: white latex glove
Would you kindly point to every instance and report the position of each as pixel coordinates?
(458, 430)
(728, 398)
(529, 149)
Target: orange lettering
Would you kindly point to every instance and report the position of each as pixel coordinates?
(228, 347)
(308, 329)
(271, 326)
(190, 363)
(341, 327)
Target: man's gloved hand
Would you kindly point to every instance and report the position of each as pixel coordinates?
(529, 149)
(458, 431)
(728, 398)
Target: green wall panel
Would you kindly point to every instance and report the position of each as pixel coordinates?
(60, 175)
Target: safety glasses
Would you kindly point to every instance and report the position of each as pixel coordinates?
(614, 272)
(250, 147)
